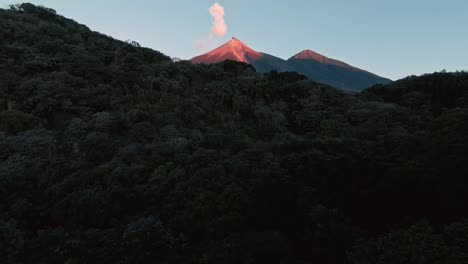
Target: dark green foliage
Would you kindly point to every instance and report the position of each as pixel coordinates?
(417, 244)
(13, 121)
(112, 153)
(11, 242)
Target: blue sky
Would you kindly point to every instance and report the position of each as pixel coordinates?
(391, 38)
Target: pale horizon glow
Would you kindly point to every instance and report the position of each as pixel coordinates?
(393, 39)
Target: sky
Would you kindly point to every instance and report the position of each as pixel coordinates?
(393, 38)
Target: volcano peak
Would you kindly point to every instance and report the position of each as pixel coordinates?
(312, 55)
(234, 49)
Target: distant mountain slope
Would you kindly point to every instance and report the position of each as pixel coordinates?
(314, 65)
(312, 55)
(333, 72)
(238, 51)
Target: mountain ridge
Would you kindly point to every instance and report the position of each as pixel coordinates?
(314, 65)
(310, 54)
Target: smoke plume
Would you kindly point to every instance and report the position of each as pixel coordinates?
(219, 27)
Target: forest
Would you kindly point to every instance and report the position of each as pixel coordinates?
(115, 153)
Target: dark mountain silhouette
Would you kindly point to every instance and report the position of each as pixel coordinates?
(314, 65)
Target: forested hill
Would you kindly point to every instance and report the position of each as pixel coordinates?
(112, 153)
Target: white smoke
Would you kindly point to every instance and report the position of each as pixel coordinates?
(218, 29)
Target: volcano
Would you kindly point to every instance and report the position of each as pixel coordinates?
(312, 55)
(238, 51)
(315, 66)
(232, 50)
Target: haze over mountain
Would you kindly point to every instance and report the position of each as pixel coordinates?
(315, 66)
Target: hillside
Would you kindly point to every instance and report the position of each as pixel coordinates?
(113, 153)
(309, 63)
